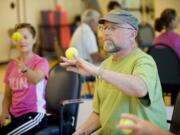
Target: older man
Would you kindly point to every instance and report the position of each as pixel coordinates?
(84, 37)
(127, 81)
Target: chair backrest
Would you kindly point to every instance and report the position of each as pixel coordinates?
(168, 64)
(145, 35)
(175, 125)
(62, 85)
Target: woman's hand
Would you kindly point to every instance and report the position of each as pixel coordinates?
(80, 66)
(21, 65)
(3, 118)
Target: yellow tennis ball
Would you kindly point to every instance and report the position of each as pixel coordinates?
(71, 52)
(126, 122)
(16, 36)
(6, 122)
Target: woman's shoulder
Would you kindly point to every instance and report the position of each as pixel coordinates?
(171, 34)
(11, 62)
(166, 36)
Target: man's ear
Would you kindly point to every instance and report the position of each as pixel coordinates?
(133, 35)
(91, 23)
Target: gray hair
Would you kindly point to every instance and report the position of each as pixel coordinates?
(90, 15)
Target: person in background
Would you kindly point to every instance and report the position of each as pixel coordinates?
(127, 81)
(84, 39)
(141, 127)
(113, 5)
(25, 81)
(168, 22)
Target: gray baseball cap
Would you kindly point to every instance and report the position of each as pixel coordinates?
(120, 16)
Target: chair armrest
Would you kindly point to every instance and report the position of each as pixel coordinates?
(72, 101)
(63, 104)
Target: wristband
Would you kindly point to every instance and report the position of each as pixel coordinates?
(100, 72)
(24, 70)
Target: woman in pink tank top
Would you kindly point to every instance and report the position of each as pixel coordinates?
(25, 81)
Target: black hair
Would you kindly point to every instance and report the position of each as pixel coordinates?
(112, 5)
(26, 25)
(165, 19)
(77, 18)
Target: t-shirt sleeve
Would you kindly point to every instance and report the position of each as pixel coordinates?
(146, 69)
(43, 66)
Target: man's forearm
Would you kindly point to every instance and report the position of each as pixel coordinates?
(89, 126)
(129, 84)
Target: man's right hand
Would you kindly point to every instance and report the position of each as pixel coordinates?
(80, 66)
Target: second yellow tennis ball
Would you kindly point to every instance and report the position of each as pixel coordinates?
(71, 52)
(6, 122)
(126, 122)
(16, 36)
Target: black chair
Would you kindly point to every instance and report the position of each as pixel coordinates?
(168, 65)
(62, 97)
(175, 122)
(145, 36)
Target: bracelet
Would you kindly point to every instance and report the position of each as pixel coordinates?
(24, 70)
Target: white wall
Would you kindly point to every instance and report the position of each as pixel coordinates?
(8, 19)
(33, 8)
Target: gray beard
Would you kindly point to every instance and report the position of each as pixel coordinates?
(110, 47)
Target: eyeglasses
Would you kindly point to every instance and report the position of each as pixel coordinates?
(112, 27)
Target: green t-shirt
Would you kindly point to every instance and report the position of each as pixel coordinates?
(110, 103)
